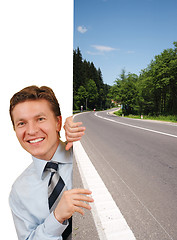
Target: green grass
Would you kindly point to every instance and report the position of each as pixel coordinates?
(169, 118)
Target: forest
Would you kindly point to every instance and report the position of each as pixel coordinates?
(153, 92)
(89, 90)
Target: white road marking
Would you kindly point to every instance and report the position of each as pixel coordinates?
(110, 223)
(134, 126)
(131, 191)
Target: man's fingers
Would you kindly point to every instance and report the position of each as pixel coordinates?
(79, 210)
(71, 139)
(75, 124)
(70, 142)
(82, 198)
(80, 191)
(79, 205)
(68, 146)
(70, 124)
(82, 204)
(73, 201)
(74, 129)
(74, 135)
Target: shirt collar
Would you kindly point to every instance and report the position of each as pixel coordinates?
(60, 156)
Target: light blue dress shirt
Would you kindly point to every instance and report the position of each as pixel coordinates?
(29, 198)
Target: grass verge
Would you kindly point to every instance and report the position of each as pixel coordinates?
(169, 118)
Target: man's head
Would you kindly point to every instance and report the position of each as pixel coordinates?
(36, 118)
(35, 93)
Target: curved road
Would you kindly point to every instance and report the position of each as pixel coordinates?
(137, 160)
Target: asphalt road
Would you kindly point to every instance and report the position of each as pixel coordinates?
(137, 160)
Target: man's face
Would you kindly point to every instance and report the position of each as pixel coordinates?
(37, 128)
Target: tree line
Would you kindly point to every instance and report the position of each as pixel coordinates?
(89, 89)
(154, 91)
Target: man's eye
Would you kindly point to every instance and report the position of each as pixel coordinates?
(20, 124)
(41, 119)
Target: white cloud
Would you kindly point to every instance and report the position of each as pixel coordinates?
(94, 53)
(82, 29)
(102, 48)
(130, 52)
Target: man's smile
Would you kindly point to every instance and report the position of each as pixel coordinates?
(36, 140)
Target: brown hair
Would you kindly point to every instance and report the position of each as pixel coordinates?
(35, 93)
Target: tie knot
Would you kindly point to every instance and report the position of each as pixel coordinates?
(51, 166)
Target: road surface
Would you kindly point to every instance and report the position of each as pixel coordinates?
(137, 161)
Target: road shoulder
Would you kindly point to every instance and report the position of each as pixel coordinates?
(83, 226)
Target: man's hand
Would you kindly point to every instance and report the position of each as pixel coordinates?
(72, 201)
(73, 131)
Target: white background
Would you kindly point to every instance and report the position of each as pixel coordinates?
(36, 47)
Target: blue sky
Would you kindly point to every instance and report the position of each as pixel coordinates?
(123, 34)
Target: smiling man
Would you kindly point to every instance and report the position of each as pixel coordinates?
(41, 212)
(36, 128)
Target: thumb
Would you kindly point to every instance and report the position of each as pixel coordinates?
(68, 146)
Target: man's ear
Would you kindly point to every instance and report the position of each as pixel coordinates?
(59, 123)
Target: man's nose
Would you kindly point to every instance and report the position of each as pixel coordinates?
(32, 128)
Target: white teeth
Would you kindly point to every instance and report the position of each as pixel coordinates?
(36, 140)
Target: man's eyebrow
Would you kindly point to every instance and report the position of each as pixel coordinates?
(35, 116)
(19, 120)
(40, 114)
